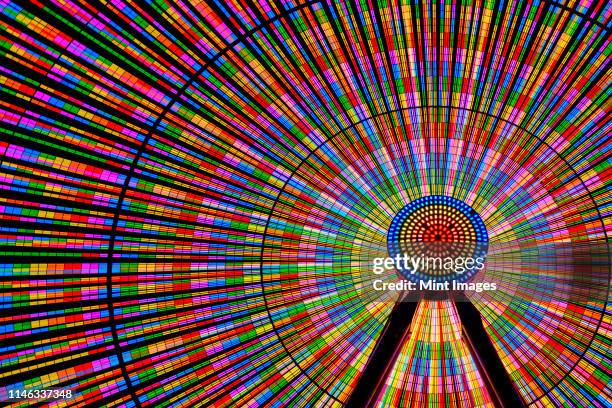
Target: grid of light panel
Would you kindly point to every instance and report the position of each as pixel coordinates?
(434, 367)
(188, 188)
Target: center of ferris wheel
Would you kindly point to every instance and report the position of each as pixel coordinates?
(437, 238)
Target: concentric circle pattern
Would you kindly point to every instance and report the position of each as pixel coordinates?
(437, 219)
(190, 191)
(441, 227)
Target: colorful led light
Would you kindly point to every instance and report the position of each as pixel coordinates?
(441, 227)
(191, 190)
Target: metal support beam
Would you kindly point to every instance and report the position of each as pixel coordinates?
(383, 356)
(499, 384)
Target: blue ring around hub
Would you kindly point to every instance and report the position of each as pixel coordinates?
(475, 249)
